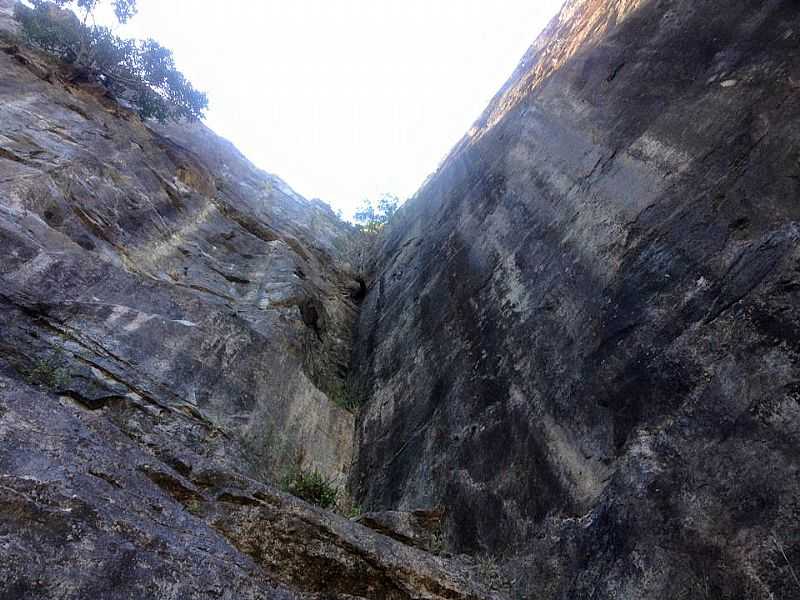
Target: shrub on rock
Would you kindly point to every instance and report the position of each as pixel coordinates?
(140, 72)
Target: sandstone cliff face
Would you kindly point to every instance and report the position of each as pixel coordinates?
(582, 334)
(174, 324)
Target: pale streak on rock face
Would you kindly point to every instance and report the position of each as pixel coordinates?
(149, 256)
(139, 320)
(586, 477)
(185, 323)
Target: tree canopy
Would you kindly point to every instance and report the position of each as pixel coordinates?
(372, 215)
(141, 72)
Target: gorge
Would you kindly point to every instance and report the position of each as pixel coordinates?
(569, 366)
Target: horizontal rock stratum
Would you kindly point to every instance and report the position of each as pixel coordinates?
(578, 354)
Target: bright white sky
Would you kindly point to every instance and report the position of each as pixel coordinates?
(345, 99)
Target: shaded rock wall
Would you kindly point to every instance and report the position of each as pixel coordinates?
(581, 337)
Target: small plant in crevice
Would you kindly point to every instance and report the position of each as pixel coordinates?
(311, 486)
(490, 572)
(341, 395)
(194, 506)
(437, 544)
(49, 372)
(353, 512)
(348, 394)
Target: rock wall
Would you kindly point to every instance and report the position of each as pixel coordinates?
(175, 334)
(88, 511)
(578, 355)
(196, 300)
(581, 337)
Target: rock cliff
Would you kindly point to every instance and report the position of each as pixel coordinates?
(578, 354)
(175, 333)
(167, 276)
(582, 334)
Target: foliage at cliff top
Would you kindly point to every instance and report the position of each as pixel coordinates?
(371, 216)
(140, 72)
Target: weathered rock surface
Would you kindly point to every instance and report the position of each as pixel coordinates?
(420, 528)
(168, 276)
(582, 337)
(580, 340)
(174, 327)
(87, 512)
